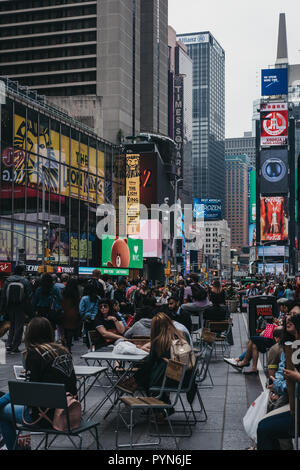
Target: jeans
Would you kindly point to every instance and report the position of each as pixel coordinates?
(6, 421)
(271, 429)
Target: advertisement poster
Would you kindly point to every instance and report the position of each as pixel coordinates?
(120, 252)
(274, 171)
(274, 82)
(133, 194)
(274, 218)
(274, 124)
(43, 163)
(252, 235)
(208, 209)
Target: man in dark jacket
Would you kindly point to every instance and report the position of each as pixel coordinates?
(15, 303)
(176, 313)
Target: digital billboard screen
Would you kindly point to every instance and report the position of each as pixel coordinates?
(121, 252)
(274, 124)
(274, 171)
(252, 235)
(208, 209)
(274, 82)
(274, 218)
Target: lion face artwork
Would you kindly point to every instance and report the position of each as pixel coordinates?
(120, 255)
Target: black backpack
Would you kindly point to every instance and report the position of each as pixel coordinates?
(15, 293)
(198, 292)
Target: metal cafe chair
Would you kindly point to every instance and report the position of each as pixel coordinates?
(174, 371)
(47, 395)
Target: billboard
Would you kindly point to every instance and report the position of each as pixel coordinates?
(274, 82)
(207, 209)
(120, 252)
(252, 235)
(274, 171)
(132, 194)
(274, 218)
(271, 268)
(194, 38)
(252, 197)
(179, 121)
(273, 251)
(274, 124)
(80, 176)
(151, 234)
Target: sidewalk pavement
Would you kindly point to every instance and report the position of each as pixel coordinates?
(226, 404)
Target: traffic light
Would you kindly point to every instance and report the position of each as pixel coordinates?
(216, 273)
(47, 253)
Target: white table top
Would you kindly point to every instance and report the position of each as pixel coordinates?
(88, 370)
(111, 356)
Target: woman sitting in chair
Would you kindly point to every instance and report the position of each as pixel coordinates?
(152, 372)
(108, 324)
(45, 361)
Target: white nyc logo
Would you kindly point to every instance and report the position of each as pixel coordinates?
(136, 248)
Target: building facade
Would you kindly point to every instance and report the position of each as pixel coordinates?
(54, 173)
(242, 146)
(216, 249)
(237, 203)
(90, 58)
(208, 114)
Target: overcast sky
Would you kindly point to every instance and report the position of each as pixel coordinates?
(247, 30)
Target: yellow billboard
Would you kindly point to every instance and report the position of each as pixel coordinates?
(133, 194)
(80, 175)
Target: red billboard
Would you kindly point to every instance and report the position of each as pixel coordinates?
(274, 124)
(274, 218)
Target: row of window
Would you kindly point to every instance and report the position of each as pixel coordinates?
(57, 79)
(48, 53)
(64, 39)
(47, 67)
(47, 27)
(44, 14)
(11, 5)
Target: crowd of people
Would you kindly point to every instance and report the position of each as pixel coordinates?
(59, 312)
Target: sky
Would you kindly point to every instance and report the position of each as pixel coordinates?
(247, 30)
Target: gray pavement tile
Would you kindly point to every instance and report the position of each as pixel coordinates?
(235, 441)
(205, 441)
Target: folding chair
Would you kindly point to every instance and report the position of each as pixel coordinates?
(83, 375)
(174, 371)
(47, 395)
(222, 329)
(203, 370)
(186, 390)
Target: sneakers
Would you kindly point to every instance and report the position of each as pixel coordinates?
(230, 361)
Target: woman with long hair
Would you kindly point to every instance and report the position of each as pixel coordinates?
(108, 324)
(88, 307)
(71, 317)
(217, 294)
(45, 361)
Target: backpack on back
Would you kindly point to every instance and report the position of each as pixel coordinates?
(182, 352)
(15, 293)
(198, 292)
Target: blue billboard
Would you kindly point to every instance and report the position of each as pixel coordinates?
(274, 82)
(207, 209)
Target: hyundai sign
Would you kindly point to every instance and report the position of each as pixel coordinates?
(208, 209)
(274, 82)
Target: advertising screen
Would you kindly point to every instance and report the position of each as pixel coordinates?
(273, 250)
(120, 252)
(274, 171)
(274, 82)
(274, 218)
(252, 235)
(133, 193)
(208, 209)
(274, 124)
(271, 268)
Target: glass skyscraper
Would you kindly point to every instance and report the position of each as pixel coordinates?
(208, 156)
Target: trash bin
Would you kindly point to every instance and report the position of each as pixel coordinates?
(262, 309)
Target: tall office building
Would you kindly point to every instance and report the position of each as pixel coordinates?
(85, 56)
(237, 199)
(242, 146)
(208, 114)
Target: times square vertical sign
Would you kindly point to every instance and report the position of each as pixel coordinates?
(178, 125)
